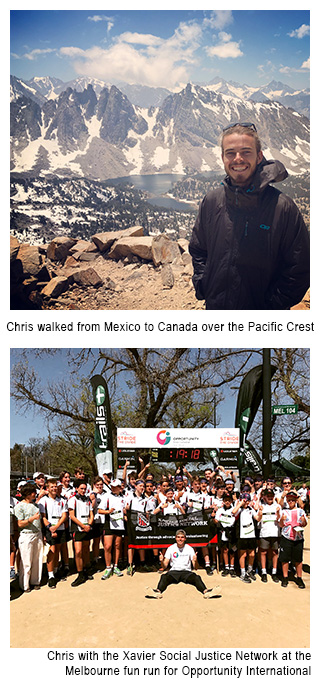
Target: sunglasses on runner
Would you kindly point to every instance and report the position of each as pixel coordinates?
(246, 125)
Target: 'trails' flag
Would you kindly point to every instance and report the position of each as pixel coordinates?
(103, 447)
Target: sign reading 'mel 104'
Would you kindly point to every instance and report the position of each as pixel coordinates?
(178, 438)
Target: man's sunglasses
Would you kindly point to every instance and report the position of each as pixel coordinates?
(251, 126)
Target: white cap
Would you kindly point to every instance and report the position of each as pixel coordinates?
(116, 482)
(38, 474)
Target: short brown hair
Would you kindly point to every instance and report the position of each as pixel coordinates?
(241, 130)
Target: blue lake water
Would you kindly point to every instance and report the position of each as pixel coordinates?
(156, 186)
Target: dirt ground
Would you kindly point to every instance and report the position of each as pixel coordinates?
(116, 613)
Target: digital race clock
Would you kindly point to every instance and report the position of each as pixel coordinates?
(180, 455)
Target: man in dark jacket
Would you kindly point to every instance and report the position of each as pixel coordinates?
(249, 245)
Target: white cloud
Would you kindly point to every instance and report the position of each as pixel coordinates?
(219, 19)
(300, 32)
(141, 58)
(34, 54)
(72, 52)
(289, 69)
(139, 39)
(225, 37)
(306, 64)
(102, 17)
(99, 17)
(225, 50)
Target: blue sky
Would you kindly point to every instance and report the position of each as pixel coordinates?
(163, 48)
(55, 367)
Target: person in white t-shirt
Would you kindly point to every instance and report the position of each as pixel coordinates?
(245, 516)
(140, 504)
(268, 518)
(292, 523)
(53, 510)
(112, 507)
(81, 516)
(183, 562)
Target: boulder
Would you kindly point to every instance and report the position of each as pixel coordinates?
(56, 286)
(14, 248)
(59, 248)
(183, 244)
(70, 262)
(140, 246)
(30, 259)
(104, 240)
(81, 248)
(87, 277)
(164, 250)
(186, 258)
(167, 276)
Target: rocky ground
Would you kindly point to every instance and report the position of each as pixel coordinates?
(115, 270)
(131, 286)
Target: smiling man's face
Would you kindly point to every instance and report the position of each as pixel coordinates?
(240, 157)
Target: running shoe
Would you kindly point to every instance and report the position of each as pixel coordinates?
(252, 575)
(209, 570)
(245, 578)
(117, 571)
(88, 575)
(233, 573)
(12, 573)
(264, 578)
(107, 574)
(275, 578)
(300, 583)
(284, 582)
(153, 592)
(79, 580)
(130, 570)
(212, 592)
(52, 582)
(63, 571)
(225, 572)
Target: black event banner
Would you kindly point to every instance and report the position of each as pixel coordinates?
(158, 531)
(249, 399)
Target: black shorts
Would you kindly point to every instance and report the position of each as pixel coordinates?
(231, 545)
(270, 542)
(291, 551)
(113, 532)
(247, 543)
(82, 536)
(96, 530)
(56, 540)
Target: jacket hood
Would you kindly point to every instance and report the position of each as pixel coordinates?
(267, 172)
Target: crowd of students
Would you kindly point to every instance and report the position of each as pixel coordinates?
(259, 525)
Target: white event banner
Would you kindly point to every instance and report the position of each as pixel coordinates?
(204, 438)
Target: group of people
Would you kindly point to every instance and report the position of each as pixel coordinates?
(255, 525)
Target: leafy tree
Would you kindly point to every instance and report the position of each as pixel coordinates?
(160, 388)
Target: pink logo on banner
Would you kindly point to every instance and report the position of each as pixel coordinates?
(163, 437)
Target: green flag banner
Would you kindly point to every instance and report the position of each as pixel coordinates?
(103, 447)
(249, 399)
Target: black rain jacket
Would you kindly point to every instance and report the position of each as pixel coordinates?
(250, 247)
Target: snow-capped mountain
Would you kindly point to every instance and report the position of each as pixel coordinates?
(103, 135)
(40, 88)
(273, 91)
